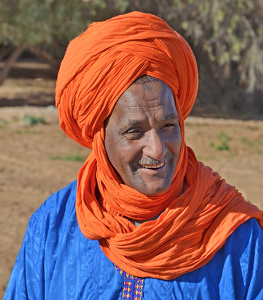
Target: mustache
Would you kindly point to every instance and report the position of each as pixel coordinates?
(151, 161)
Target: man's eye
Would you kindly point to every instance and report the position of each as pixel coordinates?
(133, 133)
(172, 125)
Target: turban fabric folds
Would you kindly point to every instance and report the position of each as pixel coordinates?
(98, 67)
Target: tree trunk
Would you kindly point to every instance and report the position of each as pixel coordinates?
(46, 57)
(5, 52)
(11, 60)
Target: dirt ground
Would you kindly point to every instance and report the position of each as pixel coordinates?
(38, 159)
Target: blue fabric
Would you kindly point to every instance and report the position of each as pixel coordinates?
(57, 262)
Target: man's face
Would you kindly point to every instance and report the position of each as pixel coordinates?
(143, 137)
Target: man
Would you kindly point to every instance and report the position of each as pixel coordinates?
(145, 219)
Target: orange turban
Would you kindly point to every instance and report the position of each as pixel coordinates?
(98, 67)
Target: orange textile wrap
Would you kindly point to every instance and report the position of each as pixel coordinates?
(98, 67)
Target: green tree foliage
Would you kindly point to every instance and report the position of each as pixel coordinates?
(32, 22)
(226, 36)
(43, 26)
(229, 32)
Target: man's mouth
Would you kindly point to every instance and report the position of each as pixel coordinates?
(155, 166)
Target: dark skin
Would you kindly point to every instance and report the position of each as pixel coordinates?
(143, 137)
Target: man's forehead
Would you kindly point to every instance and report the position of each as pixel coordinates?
(137, 119)
(152, 99)
(139, 114)
(146, 95)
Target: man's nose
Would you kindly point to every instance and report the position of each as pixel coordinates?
(154, 146)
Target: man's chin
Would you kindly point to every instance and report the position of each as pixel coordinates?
(153, 190)
(149, 185)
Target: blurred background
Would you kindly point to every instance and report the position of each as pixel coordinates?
(226, 37)
(225, 127)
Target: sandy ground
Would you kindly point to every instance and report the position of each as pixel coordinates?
(37, 160)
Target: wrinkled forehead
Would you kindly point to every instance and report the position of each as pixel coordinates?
(144, 98)
(147, 94)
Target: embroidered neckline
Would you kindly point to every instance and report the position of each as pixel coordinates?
(132, 286)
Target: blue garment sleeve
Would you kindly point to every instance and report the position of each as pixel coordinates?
(27, 277)
(242, 275)
(32, 273)
(234, 273)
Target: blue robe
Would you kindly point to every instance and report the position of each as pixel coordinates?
(57, 262)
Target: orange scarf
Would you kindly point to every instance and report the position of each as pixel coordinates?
(98, 67)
